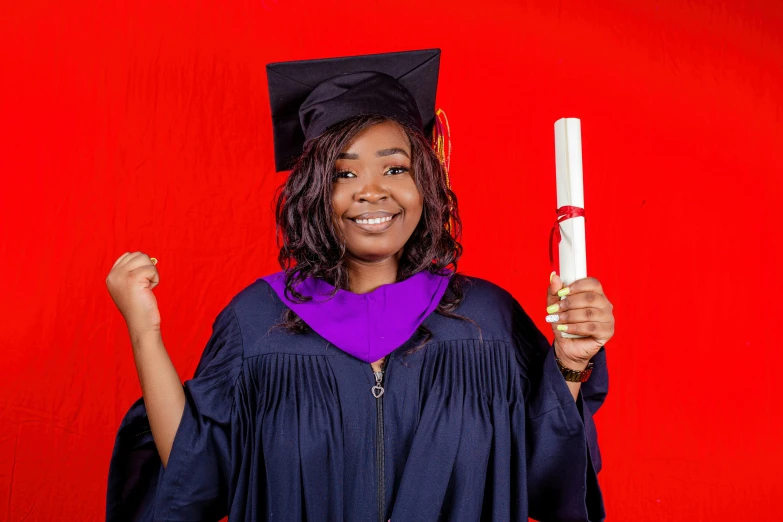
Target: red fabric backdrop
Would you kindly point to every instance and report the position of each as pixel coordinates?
(145, 126)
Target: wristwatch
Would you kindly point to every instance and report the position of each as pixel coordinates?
(574, 375)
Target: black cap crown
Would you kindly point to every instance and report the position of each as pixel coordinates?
(309, 96)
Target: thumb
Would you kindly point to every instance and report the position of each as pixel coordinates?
(555, 284)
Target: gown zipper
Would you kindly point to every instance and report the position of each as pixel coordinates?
(377, 392)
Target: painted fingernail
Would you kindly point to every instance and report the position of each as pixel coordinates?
(552, 308)
(563, 291)
(153, 261)
(562, 327)
(552, 275)
(552, 318)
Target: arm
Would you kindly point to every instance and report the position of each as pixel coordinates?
(164, 397)
(563, 456)
(191, 437)
(130, 283)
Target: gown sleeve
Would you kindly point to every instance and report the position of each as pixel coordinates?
(194, 483)
(563, 458)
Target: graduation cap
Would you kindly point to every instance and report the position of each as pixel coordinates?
(309, 96)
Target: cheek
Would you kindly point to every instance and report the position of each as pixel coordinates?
(414, 207)
(341, 201)
(411, 199)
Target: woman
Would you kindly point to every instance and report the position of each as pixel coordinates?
(367, 380)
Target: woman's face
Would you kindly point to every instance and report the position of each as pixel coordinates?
(375, 200)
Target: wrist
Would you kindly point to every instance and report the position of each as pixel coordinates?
(574, 376)
(569, 362)
(141, 337)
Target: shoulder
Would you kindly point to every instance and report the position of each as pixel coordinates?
(257, 293)
(257, 303)
(476, 288)
(487, 299)
(259, 311)
(482, 297)
(488, 307)
(500, 315)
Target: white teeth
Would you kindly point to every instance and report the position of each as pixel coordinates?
(374, 221)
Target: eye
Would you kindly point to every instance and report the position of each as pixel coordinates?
(397, 170)
(343, 174)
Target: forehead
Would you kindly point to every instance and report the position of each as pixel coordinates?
(379, 136)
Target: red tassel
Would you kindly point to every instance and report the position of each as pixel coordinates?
(441, 143)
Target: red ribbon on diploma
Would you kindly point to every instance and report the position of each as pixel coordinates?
(563, 213)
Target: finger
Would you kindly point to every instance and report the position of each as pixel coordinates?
(143, 259)
(582, 300)
(555, 284)
(589, 329)
(155, 279)
(587, 284)
(129, 259)
(148, 272)
(119, 259)
(138, 259)
(579, 315)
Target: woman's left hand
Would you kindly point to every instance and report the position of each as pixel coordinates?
(585, 311)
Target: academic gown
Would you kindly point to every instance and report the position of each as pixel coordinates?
(477, 424)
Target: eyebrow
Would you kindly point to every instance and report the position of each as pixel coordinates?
(380, 154)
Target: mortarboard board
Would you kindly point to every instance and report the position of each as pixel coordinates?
(309, 96)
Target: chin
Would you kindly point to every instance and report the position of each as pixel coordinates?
(373, 253)
(373, 256)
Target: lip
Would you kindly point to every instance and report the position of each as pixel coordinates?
(373, 215)
(375, 228)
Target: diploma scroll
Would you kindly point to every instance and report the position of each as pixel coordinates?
(570, 192)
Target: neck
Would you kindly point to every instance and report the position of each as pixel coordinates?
(366, 276)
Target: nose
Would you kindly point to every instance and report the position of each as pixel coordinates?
(372, 192)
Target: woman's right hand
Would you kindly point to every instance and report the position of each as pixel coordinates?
(130, 283)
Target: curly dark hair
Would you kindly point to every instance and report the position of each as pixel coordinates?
(314, 246)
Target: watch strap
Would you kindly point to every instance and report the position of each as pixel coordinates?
(574, 375)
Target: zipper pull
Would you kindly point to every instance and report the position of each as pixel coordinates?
(377, 390)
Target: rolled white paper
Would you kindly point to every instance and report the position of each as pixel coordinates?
(570, 191)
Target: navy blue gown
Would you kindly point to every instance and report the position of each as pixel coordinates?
(478, 424)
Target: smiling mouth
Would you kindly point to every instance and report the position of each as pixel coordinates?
(375, 224)
(374, 221)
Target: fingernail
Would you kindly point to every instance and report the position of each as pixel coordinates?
(552, 318)
(154, 261)
(563, 291)
(552, 275)
(552, 308)
(562, 327)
